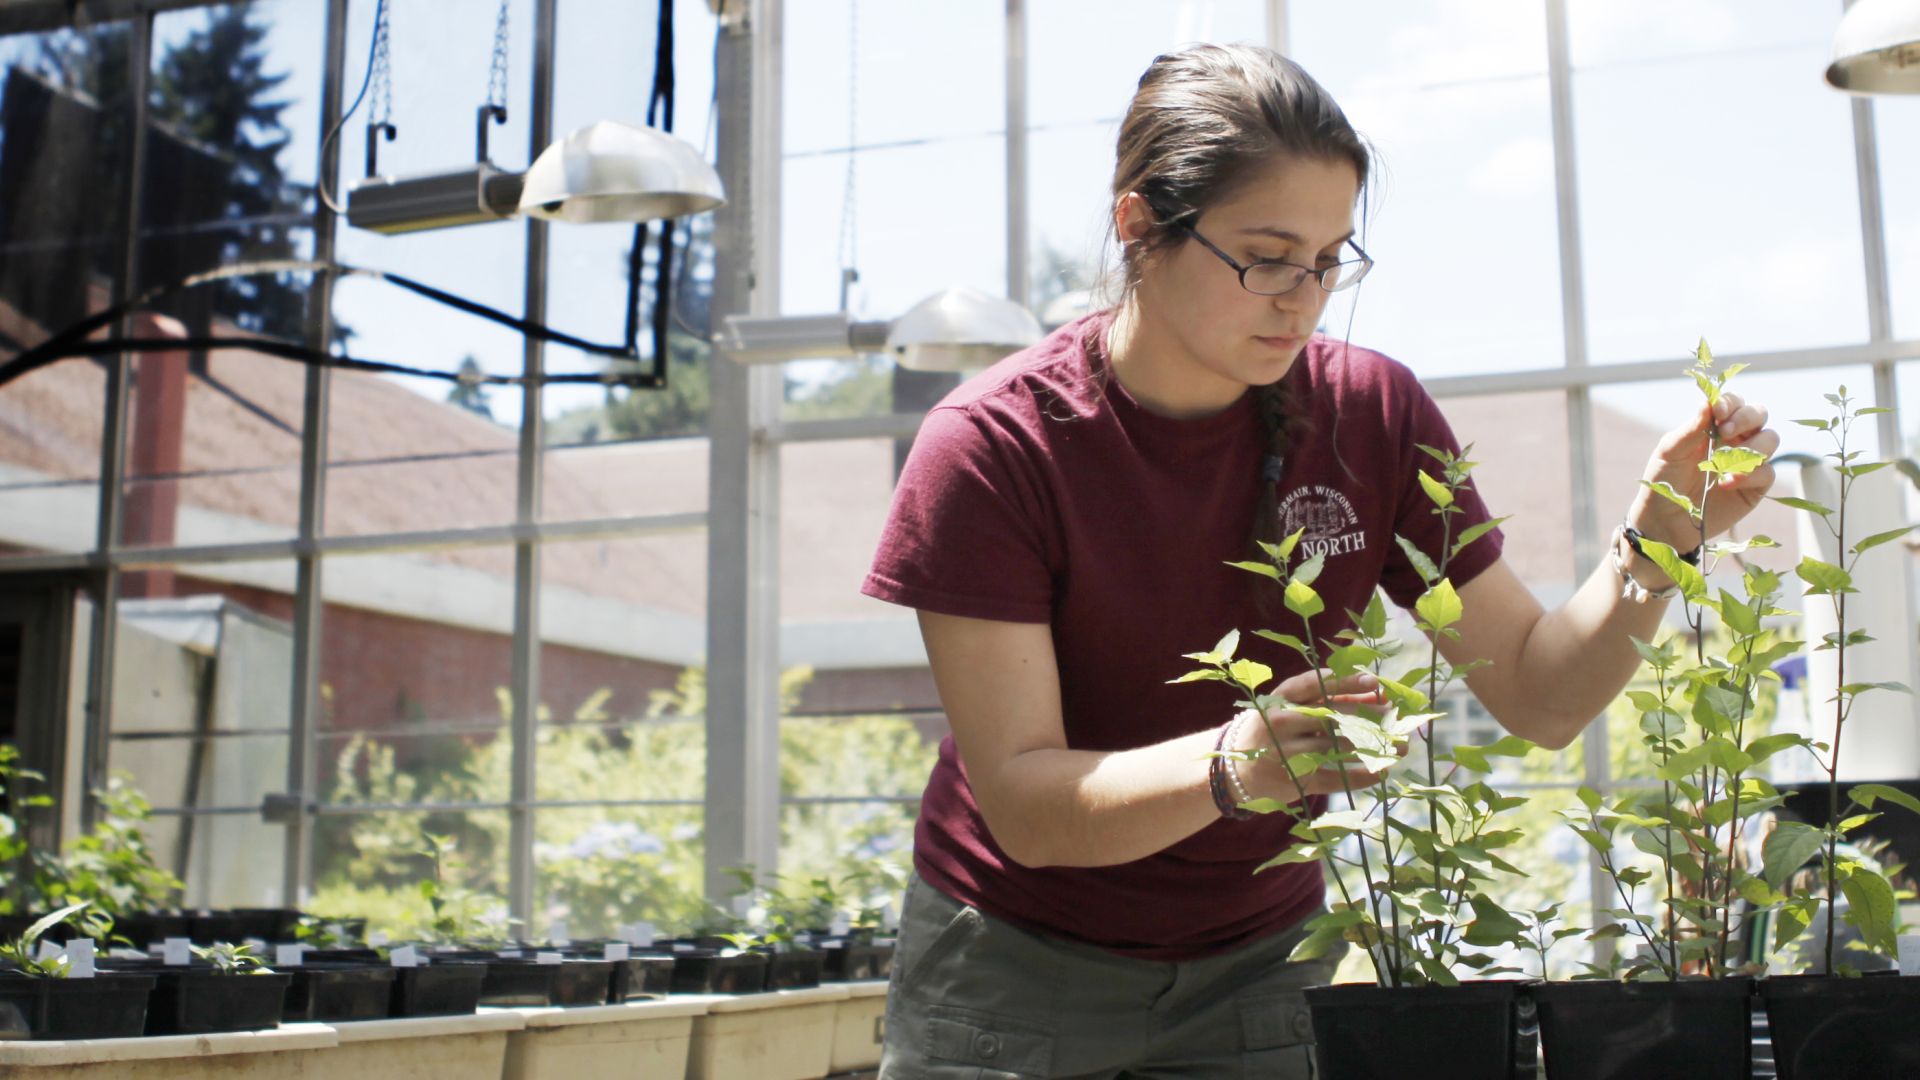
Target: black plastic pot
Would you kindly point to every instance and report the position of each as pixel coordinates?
(1861, 1028)
(200, 1001)
(711, 971)
(339, 992)
(1695, 1029)
(208, 927)
(639, 978)
(449, 989)
(794, 968)
(107, 1006)
(854, 961)
(1464, 1032)
(268, 924)
(144, 928)
(529, 982)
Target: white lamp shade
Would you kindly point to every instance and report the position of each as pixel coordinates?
(1876, 49)
(959, 329)
(618, 172)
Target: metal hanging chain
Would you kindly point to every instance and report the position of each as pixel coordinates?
(849, 218)
(382, 104)
(497, 76)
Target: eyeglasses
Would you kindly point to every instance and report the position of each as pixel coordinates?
(1272, 277)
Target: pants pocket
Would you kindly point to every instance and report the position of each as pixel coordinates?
(997, 1045)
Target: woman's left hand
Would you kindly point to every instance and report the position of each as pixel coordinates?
(1677, 459)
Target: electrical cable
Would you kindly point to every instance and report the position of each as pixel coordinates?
(381, 26)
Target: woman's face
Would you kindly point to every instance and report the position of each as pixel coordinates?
(1201, 339)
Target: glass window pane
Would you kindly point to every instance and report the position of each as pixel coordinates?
(1669, 107)
(370, 864)
(1523, 472)
(62, 186)
(600, 868)
(203, 668)
(1457, 109)
(1896, 122)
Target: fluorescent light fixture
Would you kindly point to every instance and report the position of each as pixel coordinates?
(961, 329)
(617, 172)
(1876, 49)
(954, 330)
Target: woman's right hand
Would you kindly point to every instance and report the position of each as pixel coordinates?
(1298, 734)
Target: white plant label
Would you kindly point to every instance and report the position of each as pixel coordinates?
(618, 951)
(1910, 954)
(557, 933)
(643, 934)
(80, 959)
(547, 958)
(48, 950)
(841, 924)
(404, 956)
(377, 938)
(887, 918)
(176, 952)
(288, 955)
(512, 954)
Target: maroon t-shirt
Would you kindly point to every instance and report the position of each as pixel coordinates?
(1041, 492)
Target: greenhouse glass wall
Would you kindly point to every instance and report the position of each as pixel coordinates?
(610, 639)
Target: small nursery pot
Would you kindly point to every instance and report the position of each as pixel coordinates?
(441, 989)
(850, 960)
(1854, 1028)
(794, 968)
(107, 1006)
(1695, 1029)
(529, 982)
(201, 1001)
(1465, 1032)
(339, 992)
(640, 978)
(710, 971)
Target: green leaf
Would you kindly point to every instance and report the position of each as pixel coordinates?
(1428, 572)
(1707, 386)
(1316, 943)
(1251, 674)
(1200, 675)
(1588, 797)
(1787, 849)
(1867, 794)
(48, 922)
(1475, 532)
(1303, 601)
(1823, 578)
(1692, 584)
(1870, 907)
(1791, 920)
(1439, 606)
(1288, 640)
(1733, 461)
(1309, 569)
(1263, 569)
(1221, 652)
(1881, 538)
(1436, 491)
(1766, 746)
(1801, 504)
(1669, 493)
(1740, 618)
(1373, 622)
(1492, 925)
(1817, 425)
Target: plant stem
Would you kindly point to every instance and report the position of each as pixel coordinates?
(1839, 704)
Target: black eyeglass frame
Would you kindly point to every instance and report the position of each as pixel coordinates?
(1365, 263)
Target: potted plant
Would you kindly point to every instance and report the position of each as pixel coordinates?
(228, 990)
(1426, 847)
(1835, 1022)
(1680, 1004)
(39, 999)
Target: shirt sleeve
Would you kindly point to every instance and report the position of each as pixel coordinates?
(965, 534)
(1422, 423)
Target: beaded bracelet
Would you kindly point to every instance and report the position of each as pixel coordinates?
(1630, 587)
(1217, 776)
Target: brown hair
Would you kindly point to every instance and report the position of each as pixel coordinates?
(1204, 118)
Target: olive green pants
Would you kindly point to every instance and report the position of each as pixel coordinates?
(972, 997)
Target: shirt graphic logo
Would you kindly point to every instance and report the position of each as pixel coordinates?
(1325, 519)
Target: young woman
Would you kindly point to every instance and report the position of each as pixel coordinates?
(1081, 904)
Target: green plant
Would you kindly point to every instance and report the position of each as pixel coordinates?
(19, 953)
(111, 866)
(459, 914)
(1423, 905)
(228, 959)
(1699, 722)
(1871, 900)
(14, 846)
